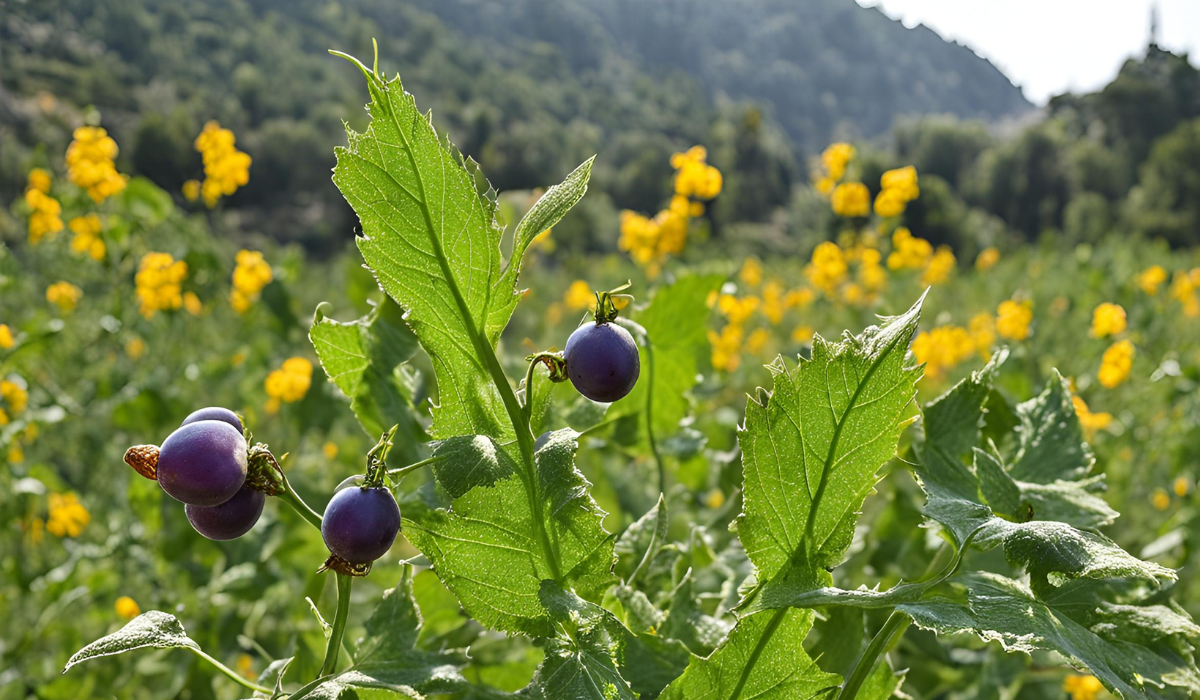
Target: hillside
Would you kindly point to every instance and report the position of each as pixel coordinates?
(528, 87)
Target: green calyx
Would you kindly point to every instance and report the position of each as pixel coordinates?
(377, 460)
(606, 306)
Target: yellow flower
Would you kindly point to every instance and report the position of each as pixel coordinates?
(127, 607)
(737, 310)
(942, 348)
(1013, 319)
(225, 167)
(939, 268)
(39, 180)
(1151, 279)
(908, 251)
(1091, 422)
(714, 499)
(694, 177)
(828, 267)
(330, 450)
(14, 395)
(87, 236)
(835, 158)
(1181, 486)
(68, 517)
(988, 257)
(851, 199)
(6, 337)
(191, 190)
(1116, 363)
(803, 334)
(250, 275)
(192, 304)
(579, 296)
(45, 219)
(245, 667)
(64, 295)
(902, 181)
(135, 348)
(774, 302)
(825, 185)
(1107, 319)
(158, 280)
(90, 163)
(982, 328)
(291, 381)
(889, 203)
(726, 347)
(1082, 687)
(1161, 499)
(799, 298)
(757, 341)
(751, 273)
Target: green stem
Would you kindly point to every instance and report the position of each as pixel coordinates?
(334, 644)
(401, 471)
(233, 675)
(896, 623)
(658, 461)
(290, 497)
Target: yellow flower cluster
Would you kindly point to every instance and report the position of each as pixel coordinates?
(1013, 319)
(90, 163)
(1082, 687)
(1150, 279)
(579, 296)
(13, 400)
(834, 160)
(946, 346)
(828, 268)
(68, 517)
(773, 300)
(225, 167)
(250, 275)
(851, 199)
(289, 383)
(1161, 499)
(159, 279)
(7, 340)
(908, 251)
(694, 178)
(987, 259)
(1108, 319)
(45, 219)
(64, 295)
(939, 268)
(87, 236)
(1116, 364)
(127, 607)
(899, 188)
(1184, 290)
(1090, 421)
(650, 241)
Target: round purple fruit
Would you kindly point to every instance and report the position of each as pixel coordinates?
(203, 463)
(215, 413)
(229, 520)
(602, 361)
(360, 524)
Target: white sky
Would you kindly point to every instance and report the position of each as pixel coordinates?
(1052, 46)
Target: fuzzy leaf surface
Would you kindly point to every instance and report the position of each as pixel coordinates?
(150, 630)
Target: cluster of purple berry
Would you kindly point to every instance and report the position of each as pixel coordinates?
(204, 464)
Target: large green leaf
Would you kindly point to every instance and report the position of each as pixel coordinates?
(430, 236)
(485, 546)
(763, 658)
(811, 452)
(387, 657)
(365, 359)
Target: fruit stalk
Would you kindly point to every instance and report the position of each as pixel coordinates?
(334, 644)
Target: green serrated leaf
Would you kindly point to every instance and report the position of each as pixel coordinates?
(150, 630)
(387, 657)
(430, 236)
(484, 548)
(763, 658)
(365, 359)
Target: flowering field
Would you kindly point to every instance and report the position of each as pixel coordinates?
(878, 468)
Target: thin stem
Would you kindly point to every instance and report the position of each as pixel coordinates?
(290, 497)
(233, 675)
(334, 644)
(527, 407)
(401, 471)
(658, 460)
(896, 623)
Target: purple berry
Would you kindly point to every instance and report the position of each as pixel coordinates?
(203, 463)
(602, 361)
(360, 524)
(215, 413)
(231, 519)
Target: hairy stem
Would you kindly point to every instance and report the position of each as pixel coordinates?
(334, 644)
(232, 674)
(290, 497)
(896, 623)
